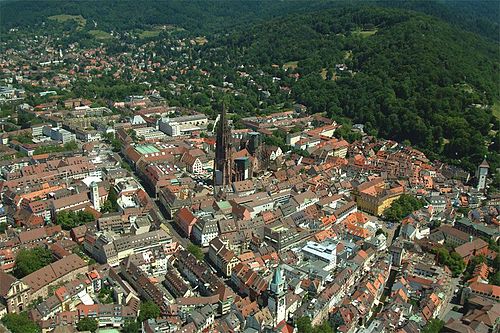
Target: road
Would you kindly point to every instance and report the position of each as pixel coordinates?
(451, 298)
(160, 216)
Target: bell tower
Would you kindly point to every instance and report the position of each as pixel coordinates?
(277, 296)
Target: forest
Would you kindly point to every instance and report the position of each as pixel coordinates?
(207, 17)
(410, 76)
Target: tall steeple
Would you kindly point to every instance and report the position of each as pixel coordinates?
(94, 195)
(277, 296)
(222, 167)
(482, 174)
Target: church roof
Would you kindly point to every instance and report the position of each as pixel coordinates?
(484, 164)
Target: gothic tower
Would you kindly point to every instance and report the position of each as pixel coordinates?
(277, 296)
(481, 174)
(222, 166)
(94, 196)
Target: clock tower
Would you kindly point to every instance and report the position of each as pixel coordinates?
(277, 296)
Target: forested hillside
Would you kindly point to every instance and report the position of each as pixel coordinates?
(410, 76)
(123, 15)
(216, 16)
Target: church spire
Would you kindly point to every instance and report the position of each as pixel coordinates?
(222, 166)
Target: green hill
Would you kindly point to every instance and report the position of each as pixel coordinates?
(410, 76)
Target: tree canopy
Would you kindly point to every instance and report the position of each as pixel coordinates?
(304, 326)
(402, 207)
(19, 323)
(433, 326)
(148, 310)
(87, 324)
(69, 219)
(196, 251)
(30, 260)
(453, 260)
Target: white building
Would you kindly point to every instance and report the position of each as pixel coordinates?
(58, 134)
(183, 125)
(94, 196)
(149, 133)
(326, 253)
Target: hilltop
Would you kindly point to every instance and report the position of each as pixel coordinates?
(408, 76)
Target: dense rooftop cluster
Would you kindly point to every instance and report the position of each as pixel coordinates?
(131, 212)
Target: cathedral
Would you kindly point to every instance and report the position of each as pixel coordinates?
(223, 163)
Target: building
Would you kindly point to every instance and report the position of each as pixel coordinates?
(222, 164)
(64, 269)
(149, 134)
(375, 196)
(223, 258)
(472, 249)
(204, 231)
(94, 196)
(277, 297)
(106, 249)
(326, 253)
(183, 125)
(58, 134)
(185, 220)
(14, 293)
(481, 174)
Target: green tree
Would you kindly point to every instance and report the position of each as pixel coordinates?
(30, 260)
(87, 324)
(402, 207)
(148, 310)
(433, 326)
(304, 325)
(196, 251)
(19, 323)
(111, 204)
(131, 326)
(69, 219)
(495, 279)
(453, 260)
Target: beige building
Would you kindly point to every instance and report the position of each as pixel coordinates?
(14, 294)
(60, 271)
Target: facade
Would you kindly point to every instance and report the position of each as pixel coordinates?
(14, 293)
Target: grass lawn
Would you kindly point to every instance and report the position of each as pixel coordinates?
(79, 19)
(365, 33)
(149, 33)
(290, 65)
(99, 34)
